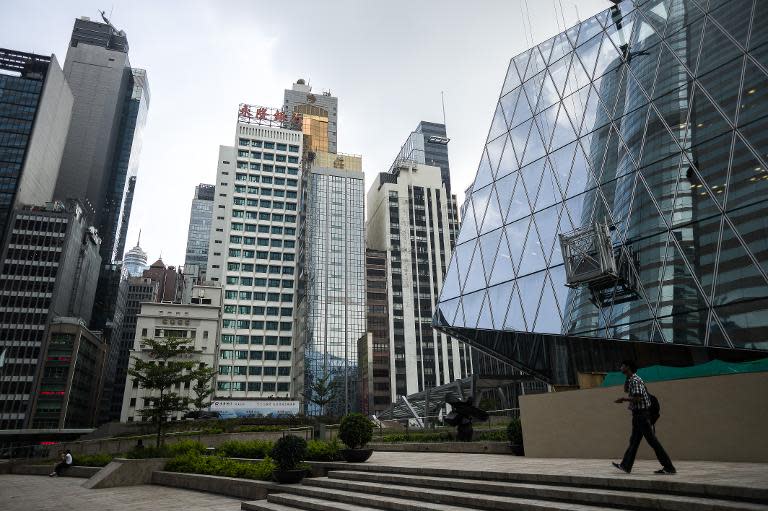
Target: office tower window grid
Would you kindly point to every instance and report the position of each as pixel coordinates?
(649, 117)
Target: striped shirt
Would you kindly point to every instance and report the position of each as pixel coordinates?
(636, 388)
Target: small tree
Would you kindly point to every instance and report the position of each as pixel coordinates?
(165, 369)
(322, 392)
(203, 389)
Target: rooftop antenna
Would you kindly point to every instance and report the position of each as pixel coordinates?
(442, 98)
(138, 241)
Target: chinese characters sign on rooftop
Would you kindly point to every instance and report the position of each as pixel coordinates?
(264, 116)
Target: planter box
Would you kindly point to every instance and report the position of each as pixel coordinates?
(232, 487)
(459, 447)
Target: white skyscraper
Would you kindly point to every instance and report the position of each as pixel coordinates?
(252, 253)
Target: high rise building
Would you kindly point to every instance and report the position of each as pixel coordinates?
(135, 260)
(330, 307)
(35, 111)
(49, 267)
(252, 253)
(427, 144)
(411, 217)
(68, 390)
(318, 113)
(199, 229)
(373, 349)
(620, 201)
(198, 322)
(101, 155)
(170, 280)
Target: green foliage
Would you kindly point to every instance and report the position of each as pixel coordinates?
(515, 432)
(355, 430)
(167, 367)
(194, 463)
(92, 460)
(322, 392)
(258, 429)
(167, 451)
(203, 388)
(253, 449)
(319, 450)
(490, 436)
(394, 438)
(289, 452)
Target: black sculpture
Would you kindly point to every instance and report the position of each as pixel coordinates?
(462, 415)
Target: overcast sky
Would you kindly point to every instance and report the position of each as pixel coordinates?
(386, 61)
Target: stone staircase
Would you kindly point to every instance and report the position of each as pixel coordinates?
(413, 489)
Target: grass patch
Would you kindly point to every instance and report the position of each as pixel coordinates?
(195, 463)
(92, 460)
(252, 449)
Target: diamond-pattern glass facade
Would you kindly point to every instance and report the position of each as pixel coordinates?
(652, 117)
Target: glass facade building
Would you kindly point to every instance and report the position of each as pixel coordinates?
(200, 227)
(648, 119)
(331, 300)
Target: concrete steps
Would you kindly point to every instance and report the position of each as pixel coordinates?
(369, 490)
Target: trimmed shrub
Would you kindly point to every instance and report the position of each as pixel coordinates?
(319, 450)
(515, 432)
(258, 429)
(355, 430)
(490, 436)
(252, 449)
(395, 438)
(167, 451)
(92, 460)
(289, 452)
(194, 463)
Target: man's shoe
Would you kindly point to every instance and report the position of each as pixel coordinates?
(666, 471)
(621, 467)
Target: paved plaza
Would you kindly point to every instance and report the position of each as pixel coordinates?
(39, 493)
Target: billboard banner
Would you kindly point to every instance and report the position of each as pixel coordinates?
(233, 408)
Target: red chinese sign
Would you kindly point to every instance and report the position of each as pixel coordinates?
(264, 116)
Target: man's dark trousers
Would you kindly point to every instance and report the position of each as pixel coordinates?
(641, 427)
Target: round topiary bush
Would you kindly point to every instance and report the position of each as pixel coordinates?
(355, 430)
(288, 452)
(515, 432)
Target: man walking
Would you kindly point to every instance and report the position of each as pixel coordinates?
(639, 404)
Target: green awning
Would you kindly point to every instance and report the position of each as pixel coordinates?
(713, 368)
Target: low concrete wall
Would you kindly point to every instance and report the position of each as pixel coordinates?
(232, 487)
(125, 472)
(125, 444)
(718, 418)
(44, 470)
(461, 447)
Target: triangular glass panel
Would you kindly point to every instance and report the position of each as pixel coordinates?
(560, 47)
(589, 29)
(637, 92)
(719, 84)
(489, 246)
(532, 258)
(563, 132)
(711, 167)
(499, 297)
(738, 277)
(463, 257)
(548, 319)
(759, 35)
(549, 94)
(485, 321)
(495, 148)
(505, 187)
(736, 26)
(573, 213)
(559, 73)
(519, 136)
(450, 287)
(575, 104)
(530, 294)
(560, 162)
(475, 275)
(468, 228)
(531, 178)
(547, 120)
(561, 291)
(685, 43)
(621, 33)
(472, 304)
(752, 223)
(546, 49)
(645, 216)
(659, 141)
(536, 64)
(547, 227)
(680, 16)
(516, 233)
(633, 128)
(504, 266)
(480, 200)
(512, 79)
(657, 334)
(661, 177)
(748, 179)
(706, 121)
(660, 289)
(656, 14)
(534, 149)
(595, 115)
(507, 103)
(716, 49)
(523, 111)
(484, 171)
(744, 323)
(446, 312)
(694, 281)
(521, 63)
(508, 161)
(608, 60)
(515, 319)
(518, 204)
(498, 125)
(549, 189)
(754, 95)
(493, 215)
(715, 336)
(580, 174)
(587, 55)
(531, 90)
